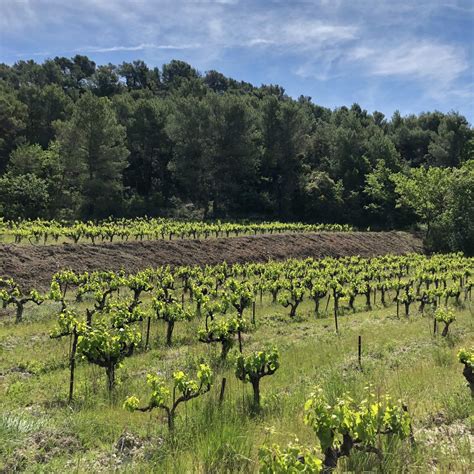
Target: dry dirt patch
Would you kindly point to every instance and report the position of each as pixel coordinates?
(33, 266)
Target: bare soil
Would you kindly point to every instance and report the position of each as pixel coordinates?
(32, 266)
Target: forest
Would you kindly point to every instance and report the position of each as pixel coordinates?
(85, 141)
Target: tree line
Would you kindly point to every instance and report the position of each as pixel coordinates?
(86, 141)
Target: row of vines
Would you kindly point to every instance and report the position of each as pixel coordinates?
(42, 231)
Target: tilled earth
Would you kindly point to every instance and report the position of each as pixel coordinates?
(33, 265)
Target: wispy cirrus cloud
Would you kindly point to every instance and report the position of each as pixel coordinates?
(138, 47)
(438, 65)
(301, 34)
(425, 60)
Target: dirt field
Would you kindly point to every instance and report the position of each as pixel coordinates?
(32, 266)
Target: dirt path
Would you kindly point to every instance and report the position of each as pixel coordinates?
(32, 266)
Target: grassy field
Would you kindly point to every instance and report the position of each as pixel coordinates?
(39, 432)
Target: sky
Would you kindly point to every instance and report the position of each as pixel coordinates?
(386, 55)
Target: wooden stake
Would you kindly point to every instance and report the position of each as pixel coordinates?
(327, 303)
(147, 338)
(221, 395)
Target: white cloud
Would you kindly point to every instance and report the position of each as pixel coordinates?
(360, 52)
(16, 14)
(218, 23)
(423, 59)
(300, 34)
(308, 32)
(434, 65)
(260, 42)
(138, 47)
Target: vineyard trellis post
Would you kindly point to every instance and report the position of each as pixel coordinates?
(72, 363)
(221, 394)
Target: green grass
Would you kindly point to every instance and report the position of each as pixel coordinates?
(39, 432)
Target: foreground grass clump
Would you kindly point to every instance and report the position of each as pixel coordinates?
(293, 458)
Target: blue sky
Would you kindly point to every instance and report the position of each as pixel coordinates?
(411, 55)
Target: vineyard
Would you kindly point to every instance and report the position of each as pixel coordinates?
(42, 232)
(205, 270)
(347, 363)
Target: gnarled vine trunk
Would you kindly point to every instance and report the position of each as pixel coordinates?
(469, 376)
(445, 329)
(169, 332)
(19, 312)
(256, 392)
(110, 371)
(226, 346)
